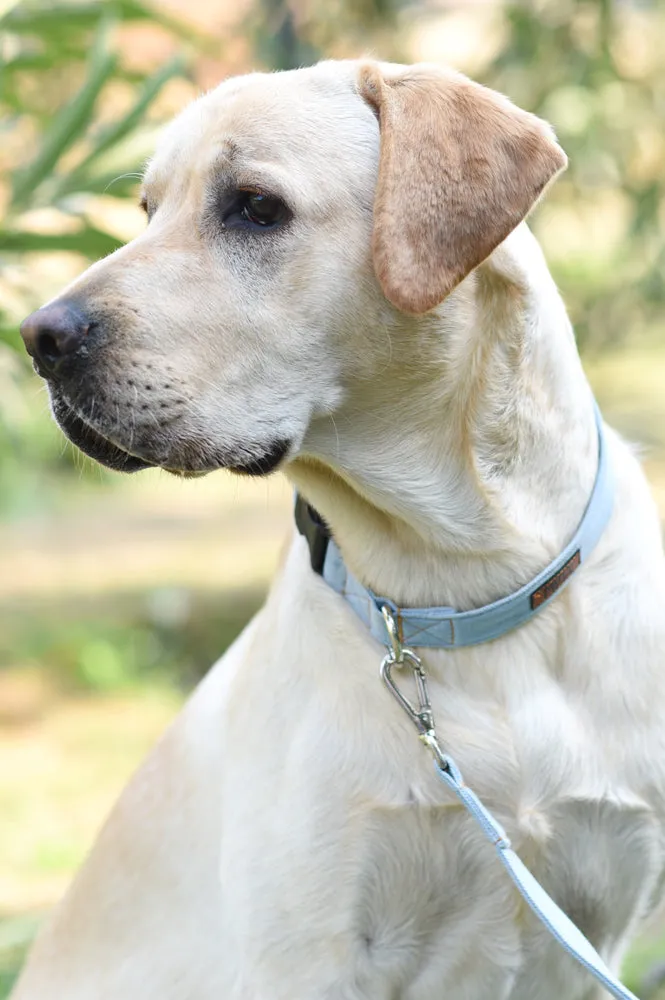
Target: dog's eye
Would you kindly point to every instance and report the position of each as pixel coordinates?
(253, 210)
(263, 210)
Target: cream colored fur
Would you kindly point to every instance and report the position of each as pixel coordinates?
(288, 838)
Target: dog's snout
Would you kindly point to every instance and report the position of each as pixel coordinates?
(54, 332)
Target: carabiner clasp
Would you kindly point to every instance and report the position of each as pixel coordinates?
(421, 715)
(399, 655)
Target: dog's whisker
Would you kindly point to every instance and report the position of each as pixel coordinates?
(337, 449)
(131, 174)
(215, 386)
(132, 413)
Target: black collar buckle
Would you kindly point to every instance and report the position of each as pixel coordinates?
(314, 529)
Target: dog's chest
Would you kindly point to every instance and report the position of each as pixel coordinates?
(370, 863)
(363, 857)
(437, 912)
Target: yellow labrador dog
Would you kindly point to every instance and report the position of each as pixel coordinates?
(336, 279)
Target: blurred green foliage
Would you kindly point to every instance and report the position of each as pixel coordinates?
(170, 635)
(596, 71)
(58, 60)
(15, 938)
(285, 35)
(59, 64)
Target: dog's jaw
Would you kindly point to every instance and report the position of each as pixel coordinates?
(182, 459)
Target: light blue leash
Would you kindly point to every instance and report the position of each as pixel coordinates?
(550, 915)
(447, 628)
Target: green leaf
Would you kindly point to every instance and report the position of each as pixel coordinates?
(60, 19)
(59, 30)
(90, 242)
(69, 123)
(30, 17)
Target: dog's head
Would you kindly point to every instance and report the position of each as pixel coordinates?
(290, 218)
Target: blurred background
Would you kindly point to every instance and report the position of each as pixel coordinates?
(116, 593)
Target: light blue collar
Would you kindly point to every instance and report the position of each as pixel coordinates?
(446, 628)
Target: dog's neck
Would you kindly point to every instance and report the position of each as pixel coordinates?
(463, 467)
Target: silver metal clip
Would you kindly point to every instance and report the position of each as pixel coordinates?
(421, 715)
(393, 635)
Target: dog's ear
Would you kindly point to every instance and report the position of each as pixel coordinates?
(459, 168)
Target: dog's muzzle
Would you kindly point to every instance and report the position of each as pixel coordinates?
(63, 340)
(58, 338)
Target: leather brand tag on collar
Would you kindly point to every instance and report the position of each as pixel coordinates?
(550, 587)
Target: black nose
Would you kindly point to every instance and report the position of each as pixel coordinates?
(53, 333)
